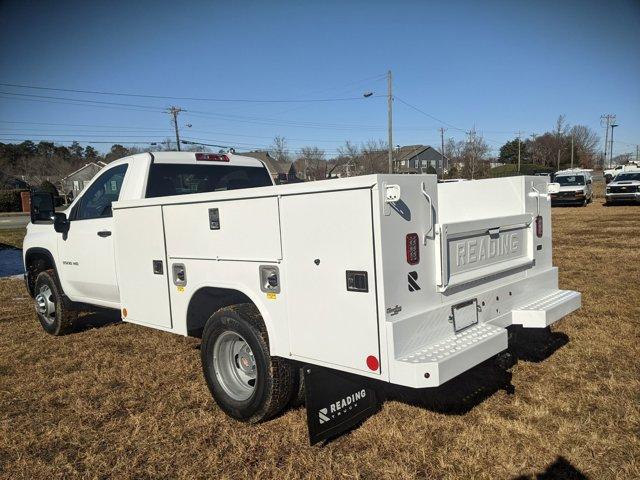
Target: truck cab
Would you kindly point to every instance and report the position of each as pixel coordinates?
(81, 246)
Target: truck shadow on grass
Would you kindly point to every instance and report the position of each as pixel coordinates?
(95, 319)
(461, 394)
(561, 468)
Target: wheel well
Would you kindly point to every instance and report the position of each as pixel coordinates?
(205, 302)
(36, 261)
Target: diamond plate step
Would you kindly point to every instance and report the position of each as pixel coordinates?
(547, 309)
(457, 353)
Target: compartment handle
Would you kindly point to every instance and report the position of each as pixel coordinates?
(430, 202)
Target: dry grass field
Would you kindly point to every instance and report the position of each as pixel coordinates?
(115, 400)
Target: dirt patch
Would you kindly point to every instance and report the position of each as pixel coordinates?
(118, 400)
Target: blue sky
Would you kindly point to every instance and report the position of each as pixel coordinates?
(501, 66)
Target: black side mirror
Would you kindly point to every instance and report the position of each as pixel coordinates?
(60, 222)
(42, 207)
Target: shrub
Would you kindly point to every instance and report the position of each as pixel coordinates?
(48, 187)
(10, 200)
(525, 169)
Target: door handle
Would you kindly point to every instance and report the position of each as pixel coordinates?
(104, 233)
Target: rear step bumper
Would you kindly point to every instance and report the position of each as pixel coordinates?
(448, 358)
(433, 364)
(546, 310)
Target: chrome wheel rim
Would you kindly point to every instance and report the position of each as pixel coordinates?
(45, 305)
(235, 365)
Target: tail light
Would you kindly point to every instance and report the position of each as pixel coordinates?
(211, 157)
(539, 226)
(413, 248)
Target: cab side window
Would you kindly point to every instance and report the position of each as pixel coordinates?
(96, 200)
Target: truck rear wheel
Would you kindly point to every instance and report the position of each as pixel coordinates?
(245, 381)
(53, 314)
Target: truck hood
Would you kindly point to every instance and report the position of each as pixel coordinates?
(624, 183)
(571, 188)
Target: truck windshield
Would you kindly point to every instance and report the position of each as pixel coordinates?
(570, 180)
(167, 179)
(621, 177)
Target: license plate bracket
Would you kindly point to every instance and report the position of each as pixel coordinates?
(464, 315)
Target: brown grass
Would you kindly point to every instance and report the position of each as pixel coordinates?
(125, 401)
(12, 237)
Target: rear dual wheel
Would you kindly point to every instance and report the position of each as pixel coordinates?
(246, 382)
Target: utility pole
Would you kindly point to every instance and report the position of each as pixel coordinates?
(519, 143)
(390, 120)
(174, 111)
(637, 153)
(613, 125)
(442, 130)
(571, 151)
(606, 120)
(533, 147)
(472, 147)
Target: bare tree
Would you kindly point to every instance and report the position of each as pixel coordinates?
(348, 156)
(585, 142)
(311, 161)
(373, 157)
(279, 149)
(474, 156)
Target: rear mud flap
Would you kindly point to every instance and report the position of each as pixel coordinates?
(336, 402)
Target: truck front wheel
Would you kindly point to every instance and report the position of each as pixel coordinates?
(245, 381)
(54, 316)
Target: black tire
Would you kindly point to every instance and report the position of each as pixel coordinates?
(298, 398)
(60, 320)
(274, 382)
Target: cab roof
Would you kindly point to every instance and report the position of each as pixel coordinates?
(203, 158)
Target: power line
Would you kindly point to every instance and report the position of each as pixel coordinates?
(429, 115)
(166, 97)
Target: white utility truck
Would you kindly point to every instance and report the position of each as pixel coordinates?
(572, 187)
(393, 278)
(612, 173)
(625, 187)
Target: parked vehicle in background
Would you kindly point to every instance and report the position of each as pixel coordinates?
(312, 287)
(611, 173)
(625, 187)
(575, 187)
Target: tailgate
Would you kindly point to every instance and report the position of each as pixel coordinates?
(476, 249)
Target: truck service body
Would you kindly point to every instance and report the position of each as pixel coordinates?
(391, 277)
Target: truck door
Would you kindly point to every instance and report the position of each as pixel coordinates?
(85, 252)
(330, 282)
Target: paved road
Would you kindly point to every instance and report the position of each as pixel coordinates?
(13, 221)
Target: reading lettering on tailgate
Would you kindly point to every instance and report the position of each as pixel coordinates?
(477, 251)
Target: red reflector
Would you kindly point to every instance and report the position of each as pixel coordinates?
(539, 226)
(413, 248)
(372, 363)
(211, 157)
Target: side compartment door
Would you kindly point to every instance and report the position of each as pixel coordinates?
(330, 282)
(141, 265)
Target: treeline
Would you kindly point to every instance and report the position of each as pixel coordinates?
(42, 161)
(554, 148)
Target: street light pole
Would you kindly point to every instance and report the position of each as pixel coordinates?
(613, 125)
(390, 120)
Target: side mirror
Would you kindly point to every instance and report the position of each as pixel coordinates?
(60, 222)
(553, 188)
(588, 182)
(42, 207)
